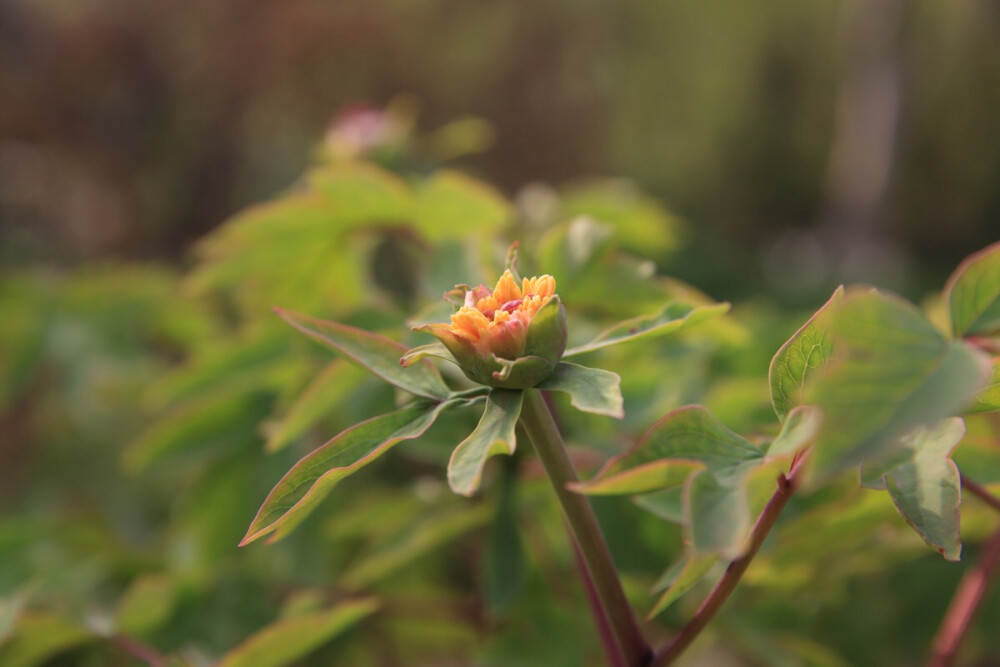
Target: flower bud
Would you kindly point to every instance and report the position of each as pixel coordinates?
(511, 336)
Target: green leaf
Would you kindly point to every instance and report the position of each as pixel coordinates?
(684, 577)
(417, 539)
(684, 440)
(973, 294)
(988, 399)
(801, 426)
(287, 640)
(329, 389)
(640, 222)
(377, 353)
(809, 348)
(195, 429)
(362, 193)
(590, 389)
(437, 350)
(38, 637)
(293, 251)
(451, 205)
(146, 605)
(493, 435)
(12, 607)
(893, 372)
(718, 514)
(312, 478)
(924, 483)
(667, 504)
(259, 360)
(671, 318)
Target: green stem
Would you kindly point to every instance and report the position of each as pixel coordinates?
(544, 435)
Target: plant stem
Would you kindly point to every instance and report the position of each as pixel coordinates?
(604, 630)
(765, 521)
(538, 422)
(139, 650)
(963, 606)
(981, 493)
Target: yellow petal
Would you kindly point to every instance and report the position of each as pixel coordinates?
(506, 289)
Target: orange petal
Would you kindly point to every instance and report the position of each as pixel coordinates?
(506, 289)
(469, 323)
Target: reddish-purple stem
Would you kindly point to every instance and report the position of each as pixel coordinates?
(980, 492)
(962, 609)
(725, 586)
(139, 650)
(597, 610)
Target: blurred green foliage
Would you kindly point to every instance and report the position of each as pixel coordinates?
(146, 413)
(131, 129)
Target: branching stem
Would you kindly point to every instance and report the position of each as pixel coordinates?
(544, 435)
(765, 521)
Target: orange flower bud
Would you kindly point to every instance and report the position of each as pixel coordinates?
(511, 336)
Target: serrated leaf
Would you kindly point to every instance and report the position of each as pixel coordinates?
(590, 389)
(973, 294)
(417, 539)
(686, 439)
(378, 354)
(718, 515)
(312, 478)
(451, 205)
(801, 426)
(893, 372)
(493, 435)
(809, 348)
(693, 570)
(326, 391)
(146, 605)
(287, 640)
(671, 318)
(924, 483)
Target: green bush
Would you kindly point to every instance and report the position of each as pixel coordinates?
(146, 415)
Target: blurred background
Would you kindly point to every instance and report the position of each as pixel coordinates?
(762, 152)
(859, 138)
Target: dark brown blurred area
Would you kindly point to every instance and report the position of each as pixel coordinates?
(776, 128)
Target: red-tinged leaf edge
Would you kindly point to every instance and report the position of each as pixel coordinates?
(262, 525)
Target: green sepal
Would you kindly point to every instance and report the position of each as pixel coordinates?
(547, 333)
